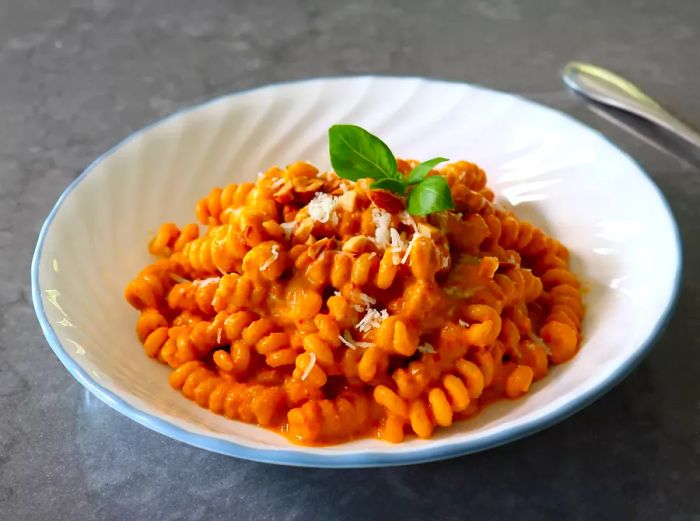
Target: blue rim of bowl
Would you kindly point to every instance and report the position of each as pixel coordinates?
(354, 460)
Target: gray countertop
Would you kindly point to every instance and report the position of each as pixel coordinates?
(77, 76)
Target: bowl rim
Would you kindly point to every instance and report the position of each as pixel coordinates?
(433, 452)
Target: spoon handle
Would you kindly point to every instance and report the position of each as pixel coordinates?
(610, 89)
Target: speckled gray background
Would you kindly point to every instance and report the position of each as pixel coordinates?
(77, 76)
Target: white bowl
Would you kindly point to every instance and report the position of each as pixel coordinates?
(556, 172)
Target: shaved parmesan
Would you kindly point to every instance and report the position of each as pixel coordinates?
(218, 336)
(463, 323)
(397, 246)
(321, 206)
(407, 219)
(368, 301)
(358, 308)
(205, 282)
(309, 367)
(413, 240)
(288, 228)
(274, 254)
(372, 320)
(277, 182)
(347, 342)
(347, 339)
(177, 278)
(382, 219)
(426, 348)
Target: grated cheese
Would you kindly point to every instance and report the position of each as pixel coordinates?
(205, 282)
(426, 348)
(463, 323)
(309, 367)
(407, 219)
(410, 246)
(368, 301)
(274, 254)
(358, 308)
(288, 228)
(177, 278)
(397, 246)
(277, 182)
(218, 336)
(347, 339)
(445, 262)
(372, 320)
(382, 219)
(321, 206)
(334, 219)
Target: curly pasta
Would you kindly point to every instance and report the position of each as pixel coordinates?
(306, 308)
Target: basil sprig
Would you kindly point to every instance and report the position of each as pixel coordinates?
(357, 154)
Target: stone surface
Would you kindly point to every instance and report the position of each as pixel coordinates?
(77, 76)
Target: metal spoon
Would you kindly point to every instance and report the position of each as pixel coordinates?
(610, 89)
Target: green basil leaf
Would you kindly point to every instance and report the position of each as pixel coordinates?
(356, 154)
(420, 171)
(393, 185)
(431, 195)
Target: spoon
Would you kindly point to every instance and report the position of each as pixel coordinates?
(608, 88)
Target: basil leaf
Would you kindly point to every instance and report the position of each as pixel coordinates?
(355, 154)
(393, 185)
(420, 171)
(432, 194)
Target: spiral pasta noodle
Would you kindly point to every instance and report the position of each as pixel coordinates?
(308, 306)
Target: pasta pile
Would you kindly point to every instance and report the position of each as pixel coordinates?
(315, 306)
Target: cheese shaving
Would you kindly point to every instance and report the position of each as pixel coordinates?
(397, 246)
(368, 301)
(321, 206)
(382, 219)
(277, 182)
(177, 278)
(426, 348)
(334, 219)
(274, 254)
(413, 240)
(205, 282)
(218, 336)
(407, 219)
(288, 228)
(309, 367)
(347, 342)
(372, 320)
(358, 308)
(347, 339)
(463, 323)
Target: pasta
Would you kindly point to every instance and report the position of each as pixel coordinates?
(306, 306)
